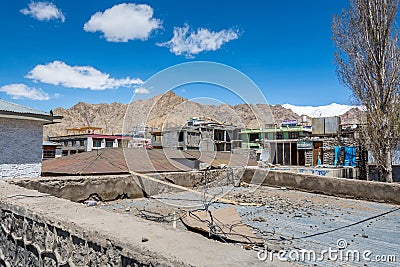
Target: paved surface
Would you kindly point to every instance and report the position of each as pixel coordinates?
(292, 220)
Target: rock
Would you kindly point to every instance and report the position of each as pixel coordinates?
(259, 219)
(144, 239)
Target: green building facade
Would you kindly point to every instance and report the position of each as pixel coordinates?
(254, 138)
(280, 143)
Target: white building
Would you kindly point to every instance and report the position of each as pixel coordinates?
(88, 138)
(21, 135)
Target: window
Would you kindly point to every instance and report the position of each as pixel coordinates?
(109, 143)
(81, 142)
(228, 147)
(96, 143)
(293, 135)
(180, 138)
(279, 136)
(228, 137)
(47, 154)
(72, 152)
(65, 152)
(253, 137)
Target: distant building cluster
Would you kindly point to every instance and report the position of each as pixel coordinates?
(287, 143)
(88, 138)
(198, 134)
(323, 142)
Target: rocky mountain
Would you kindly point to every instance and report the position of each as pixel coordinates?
(162, 111)
(352, 116)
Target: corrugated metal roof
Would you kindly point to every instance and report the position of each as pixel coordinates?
(112, 161)
(12, 107)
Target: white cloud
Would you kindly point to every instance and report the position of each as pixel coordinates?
(86, 77)
(189, 43)
(19, 90)
(141, 90)
(43, 11)
(124, 22)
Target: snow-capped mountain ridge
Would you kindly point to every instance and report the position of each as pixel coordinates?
(330, 110)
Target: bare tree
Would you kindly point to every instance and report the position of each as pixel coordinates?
(368, 62)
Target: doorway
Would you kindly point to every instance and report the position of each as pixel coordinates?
(318, 152)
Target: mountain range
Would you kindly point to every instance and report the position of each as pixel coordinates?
(320, 111)
(171, 110)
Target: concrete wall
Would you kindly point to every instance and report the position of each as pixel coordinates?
(352, 173)
(20, 148)
(170, 139)
(80, 188)
(376, 191)
(250, 153)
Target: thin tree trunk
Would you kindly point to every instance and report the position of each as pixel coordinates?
(387, 172)
(368, 62)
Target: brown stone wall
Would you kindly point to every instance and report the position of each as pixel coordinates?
(329, 150)
(29, 240)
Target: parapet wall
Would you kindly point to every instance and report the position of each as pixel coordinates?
(359, 189)
(79, 188)
(111, 187)
(352, 173)
(41, 230)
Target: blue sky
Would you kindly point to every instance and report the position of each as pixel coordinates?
(57, 53)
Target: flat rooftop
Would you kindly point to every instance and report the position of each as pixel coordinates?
(170, 217)
(292, 220)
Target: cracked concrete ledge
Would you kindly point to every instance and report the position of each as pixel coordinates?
(111, 187)
(42, 230)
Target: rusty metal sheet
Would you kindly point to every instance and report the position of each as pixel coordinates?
(332, 125)
(318, 125)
